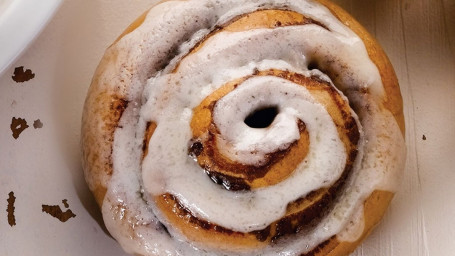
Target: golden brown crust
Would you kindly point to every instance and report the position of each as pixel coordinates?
(105, 104)
(101, 115)
(102, 112)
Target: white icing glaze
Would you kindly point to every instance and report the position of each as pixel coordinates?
(168, 99)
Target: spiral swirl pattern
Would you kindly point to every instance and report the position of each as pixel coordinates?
(244, 127)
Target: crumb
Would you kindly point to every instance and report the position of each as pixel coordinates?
(65, 203)
(56, 212)
(196, 149)
(21, 76)
(37, 124)
(424, 137)
(18, 125)
(10, 209)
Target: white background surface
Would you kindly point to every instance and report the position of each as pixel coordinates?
(43, 165)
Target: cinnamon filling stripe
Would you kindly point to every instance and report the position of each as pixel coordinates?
(268, 18)
(280, 164)
(294, 221)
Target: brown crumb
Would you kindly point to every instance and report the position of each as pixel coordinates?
(10, 209)
(21, 76)
(56, 212)
(37, 124)
(196, 149)
(424, 137)
(18, 125)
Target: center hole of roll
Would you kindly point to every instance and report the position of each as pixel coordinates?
(261, 117)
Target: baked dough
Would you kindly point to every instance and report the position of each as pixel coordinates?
(178, 170)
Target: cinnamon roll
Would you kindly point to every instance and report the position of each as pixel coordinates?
(268, 127)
